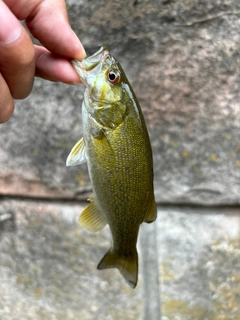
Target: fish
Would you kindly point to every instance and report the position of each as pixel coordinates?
(117, 149)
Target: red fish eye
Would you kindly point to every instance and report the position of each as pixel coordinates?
(113, 77)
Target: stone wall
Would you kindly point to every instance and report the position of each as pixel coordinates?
(182, 59)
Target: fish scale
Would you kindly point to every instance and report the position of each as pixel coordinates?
(117, 149)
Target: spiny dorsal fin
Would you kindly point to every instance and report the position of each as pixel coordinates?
(91, 218)
(128, 266)
(77, 154)
(152, 212)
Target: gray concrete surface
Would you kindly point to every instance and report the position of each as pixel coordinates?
(48, 267)
(200, 263)
(189, 266)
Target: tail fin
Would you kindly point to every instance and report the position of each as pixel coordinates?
(128, 266)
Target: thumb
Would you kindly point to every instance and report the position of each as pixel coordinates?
(17, 55)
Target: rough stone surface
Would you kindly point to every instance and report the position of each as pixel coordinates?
(48, 267)
(199, 259)
(189, 266)
(182, 58)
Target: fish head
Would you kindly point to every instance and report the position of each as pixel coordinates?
(102, 75)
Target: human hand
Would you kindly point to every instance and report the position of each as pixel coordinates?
(20, 60)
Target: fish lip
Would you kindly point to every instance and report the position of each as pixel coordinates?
(98, 56)
(91, 62)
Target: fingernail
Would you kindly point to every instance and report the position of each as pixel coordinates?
(82, 53)
(11, 36)
(11, 28)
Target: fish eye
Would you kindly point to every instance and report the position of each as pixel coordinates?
(113, 77)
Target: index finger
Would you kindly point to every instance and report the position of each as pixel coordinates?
(48, 22)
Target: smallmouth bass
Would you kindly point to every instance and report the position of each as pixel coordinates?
(117, 149)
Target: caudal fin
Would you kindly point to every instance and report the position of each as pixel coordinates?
(128, 266)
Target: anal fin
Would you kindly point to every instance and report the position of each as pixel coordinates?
(91, 218)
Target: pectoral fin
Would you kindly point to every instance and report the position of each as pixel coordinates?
(77, 154)
(152, 212)
(91, 218)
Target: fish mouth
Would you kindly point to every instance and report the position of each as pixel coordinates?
(90, 63)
